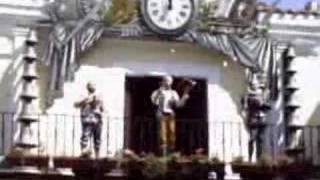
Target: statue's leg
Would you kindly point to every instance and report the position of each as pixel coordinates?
(164, 133)
(252, 143)
(172, 132)
(84, 141)
(97, 138)
(250, 149)
(259, 142)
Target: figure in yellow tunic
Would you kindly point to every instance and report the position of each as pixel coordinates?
(166, 99)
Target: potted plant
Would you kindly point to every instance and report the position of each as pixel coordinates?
(264, 168)
(217, 166)
(85, 166)
(131, 164)
(293, 169)
(268, 168)
(202, 165)
(196, 166)
(156, 168)
(174, 166)
(67, 162)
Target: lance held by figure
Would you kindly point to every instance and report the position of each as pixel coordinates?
(167, 99)
(91, 111)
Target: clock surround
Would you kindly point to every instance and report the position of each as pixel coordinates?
(167, 17)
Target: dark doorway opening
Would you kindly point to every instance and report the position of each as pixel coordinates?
(142, 128)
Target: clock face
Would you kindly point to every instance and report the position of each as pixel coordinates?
(168, 16)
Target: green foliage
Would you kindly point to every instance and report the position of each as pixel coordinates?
(238, 160)
(206, 10)
(266, 161)
(215, 160)
(120, 12)
(155, 167)
(283, 160)
(19, 152)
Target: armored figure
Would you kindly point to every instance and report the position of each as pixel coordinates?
(256, 106)
(91, 108)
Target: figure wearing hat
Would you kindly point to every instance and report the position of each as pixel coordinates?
(91, 107)
(167, 99)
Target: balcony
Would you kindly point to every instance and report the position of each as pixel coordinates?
(58, 136)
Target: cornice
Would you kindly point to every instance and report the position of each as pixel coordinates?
(24, 13)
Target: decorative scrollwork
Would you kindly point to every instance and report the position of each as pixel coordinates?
(246, 11)
(85, 6)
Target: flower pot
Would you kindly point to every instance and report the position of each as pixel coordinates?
(186, 170)
(133, 169)
(27, 160)
(295, 171)
(85, 168)
(219, 169)
(85, 164)
(253, 172)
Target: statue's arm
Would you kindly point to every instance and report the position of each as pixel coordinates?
(101, 107)
(180, 102)
(244, 103)
(80, 103)
(155, 97)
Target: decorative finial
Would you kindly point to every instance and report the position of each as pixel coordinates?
(32, 38)
(291, 53)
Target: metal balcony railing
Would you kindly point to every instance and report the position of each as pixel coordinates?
(58, 135)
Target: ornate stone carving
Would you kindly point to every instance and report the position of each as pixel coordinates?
(28, 116)
(70, 35)
(85, 6)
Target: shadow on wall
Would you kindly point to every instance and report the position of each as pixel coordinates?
(43, 71)
(314, 119)
(42, 68)
(11, 82)
(10, 85)
(310, 137)
(234, 82)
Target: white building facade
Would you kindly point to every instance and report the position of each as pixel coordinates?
(113, 61)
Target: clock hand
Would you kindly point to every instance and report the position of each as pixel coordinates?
(165, 11)
(170, 5)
